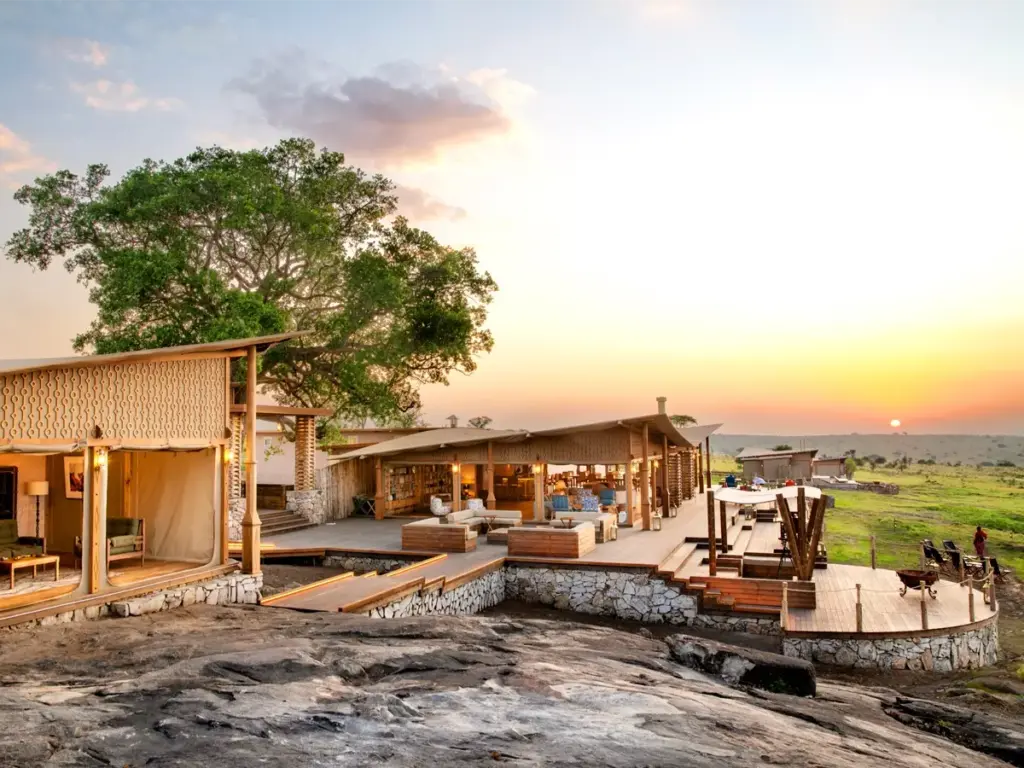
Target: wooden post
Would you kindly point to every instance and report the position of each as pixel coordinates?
(960, 559)
(645, 483)
(723, 516)
(707, 447)
(456, 484)
(992, 592)
(712, 544)
(225, 491)
(970, 598)
(538, 494)
(127, 469)
(628, 475)
(379, 499)
(924, 606)
(492, 503)
(700, 469)
(784, 611)
(860, 612)
(873, 555)
(91, 558)
(666, 494)
(921, 555)
(251, 522)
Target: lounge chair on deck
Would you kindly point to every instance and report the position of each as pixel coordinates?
(972, 565)
(936, 558)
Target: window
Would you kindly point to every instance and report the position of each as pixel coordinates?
(8, 493)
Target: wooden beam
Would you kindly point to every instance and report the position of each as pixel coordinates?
(492, 502)
(281, 410)
(666, 494)
(724, 517)
(700, 468)
(712, 544)
(251, 521)
(628, 477)
(707, 450)
(538, 494)
(645, 502)
(379, 499)
(225, 491)
(93, 521)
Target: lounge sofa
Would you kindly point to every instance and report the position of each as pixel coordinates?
(476, 518)
(13, 545)
(606, 524)
(432, 535)
(126, 539)
(552, 541)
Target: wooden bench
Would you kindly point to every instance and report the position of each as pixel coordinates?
(551, 541)
(431, 535)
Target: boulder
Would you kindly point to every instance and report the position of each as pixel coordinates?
(745, 666)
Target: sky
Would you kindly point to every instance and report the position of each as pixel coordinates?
(787, 216)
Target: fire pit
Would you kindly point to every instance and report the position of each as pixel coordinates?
(913, 579)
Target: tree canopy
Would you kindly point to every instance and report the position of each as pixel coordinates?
(223, 244)
(682, 420)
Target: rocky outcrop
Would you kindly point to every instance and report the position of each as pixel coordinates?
(745, 666)
(241, 686)
(993, 735)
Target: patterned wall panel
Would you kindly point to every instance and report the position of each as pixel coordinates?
(237, 449)
(305, 453)
(177, 399)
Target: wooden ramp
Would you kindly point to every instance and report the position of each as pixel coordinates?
(349, 593)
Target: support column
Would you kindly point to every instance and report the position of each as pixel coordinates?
(707, 451)
(538, 491)
(700, 469)
(224, 469)
(456, 485)
(712, 536)
(378, 488)
(251, 522)
(666, 494)
(645, 483)
(628, 476)
(305, 453)
(492, 503)
(235, 466)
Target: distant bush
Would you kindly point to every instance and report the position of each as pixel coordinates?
(986, 464)
(926, 461)
(1005, 463)
(783, 447)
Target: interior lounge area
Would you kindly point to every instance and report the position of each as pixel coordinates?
(114, 474)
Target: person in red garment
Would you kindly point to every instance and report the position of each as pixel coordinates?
(790, 482)
(980, 537)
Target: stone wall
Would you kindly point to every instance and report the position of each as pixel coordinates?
(940, 653)
(308, 504)
(367, 563)
(236, 511)
(224, 590)
(469, 598)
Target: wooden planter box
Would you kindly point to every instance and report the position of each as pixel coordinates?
(431, 536)
(549, 541)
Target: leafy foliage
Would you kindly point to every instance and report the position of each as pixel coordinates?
(480, 422)
(783, 447)
(223, 244)
(682, 420)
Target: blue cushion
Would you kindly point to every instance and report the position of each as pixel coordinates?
(560, 503)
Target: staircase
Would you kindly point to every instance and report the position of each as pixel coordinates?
(276, 522)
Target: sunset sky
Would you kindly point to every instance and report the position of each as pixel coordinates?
(792, 217)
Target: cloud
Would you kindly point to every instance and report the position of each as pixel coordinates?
(667, 10)
(417, 205)
(17, 157)
(85, 51)
(109, 96)
(400, 114)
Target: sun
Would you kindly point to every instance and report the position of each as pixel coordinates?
(894, 423)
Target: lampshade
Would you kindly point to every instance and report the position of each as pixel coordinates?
(39, 488)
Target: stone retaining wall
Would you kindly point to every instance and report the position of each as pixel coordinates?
(224, 590)
(308, 504)
(471, 597)
(969, 649)
(236, 511)
(367, 563)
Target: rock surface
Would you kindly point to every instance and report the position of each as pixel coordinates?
(745, 666)
(244, 686)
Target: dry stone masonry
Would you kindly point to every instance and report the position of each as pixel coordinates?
(308, 504)
(941, 653)
(367, 563)
(236, 511)
(469, 598)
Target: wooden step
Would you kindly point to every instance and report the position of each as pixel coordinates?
(668, 567)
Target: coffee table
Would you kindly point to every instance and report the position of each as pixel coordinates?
(14, 563)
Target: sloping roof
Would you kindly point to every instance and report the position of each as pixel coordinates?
(435, 438)
(765, 453)
(144, 355)
(448, 436)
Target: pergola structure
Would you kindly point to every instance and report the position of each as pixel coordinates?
(141, 437)
(664, 459)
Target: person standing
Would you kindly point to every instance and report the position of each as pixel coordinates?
(980, 537)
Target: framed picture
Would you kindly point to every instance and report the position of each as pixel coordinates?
(74, 477)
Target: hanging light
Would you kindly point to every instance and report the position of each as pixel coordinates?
(99, 458)
(538, 469)
(229, 455)
(455, 468)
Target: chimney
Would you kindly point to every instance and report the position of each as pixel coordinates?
(453, 421)
(661, 404)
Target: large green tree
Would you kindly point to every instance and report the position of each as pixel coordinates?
(223, 244)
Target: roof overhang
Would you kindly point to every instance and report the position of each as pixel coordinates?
(229, 348)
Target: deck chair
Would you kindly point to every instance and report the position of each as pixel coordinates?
(973, 567)
(935, 557)
(607, 496)
(560, 503)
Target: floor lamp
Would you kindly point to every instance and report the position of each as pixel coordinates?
(39, 489)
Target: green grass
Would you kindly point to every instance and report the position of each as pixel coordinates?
(934, 502)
